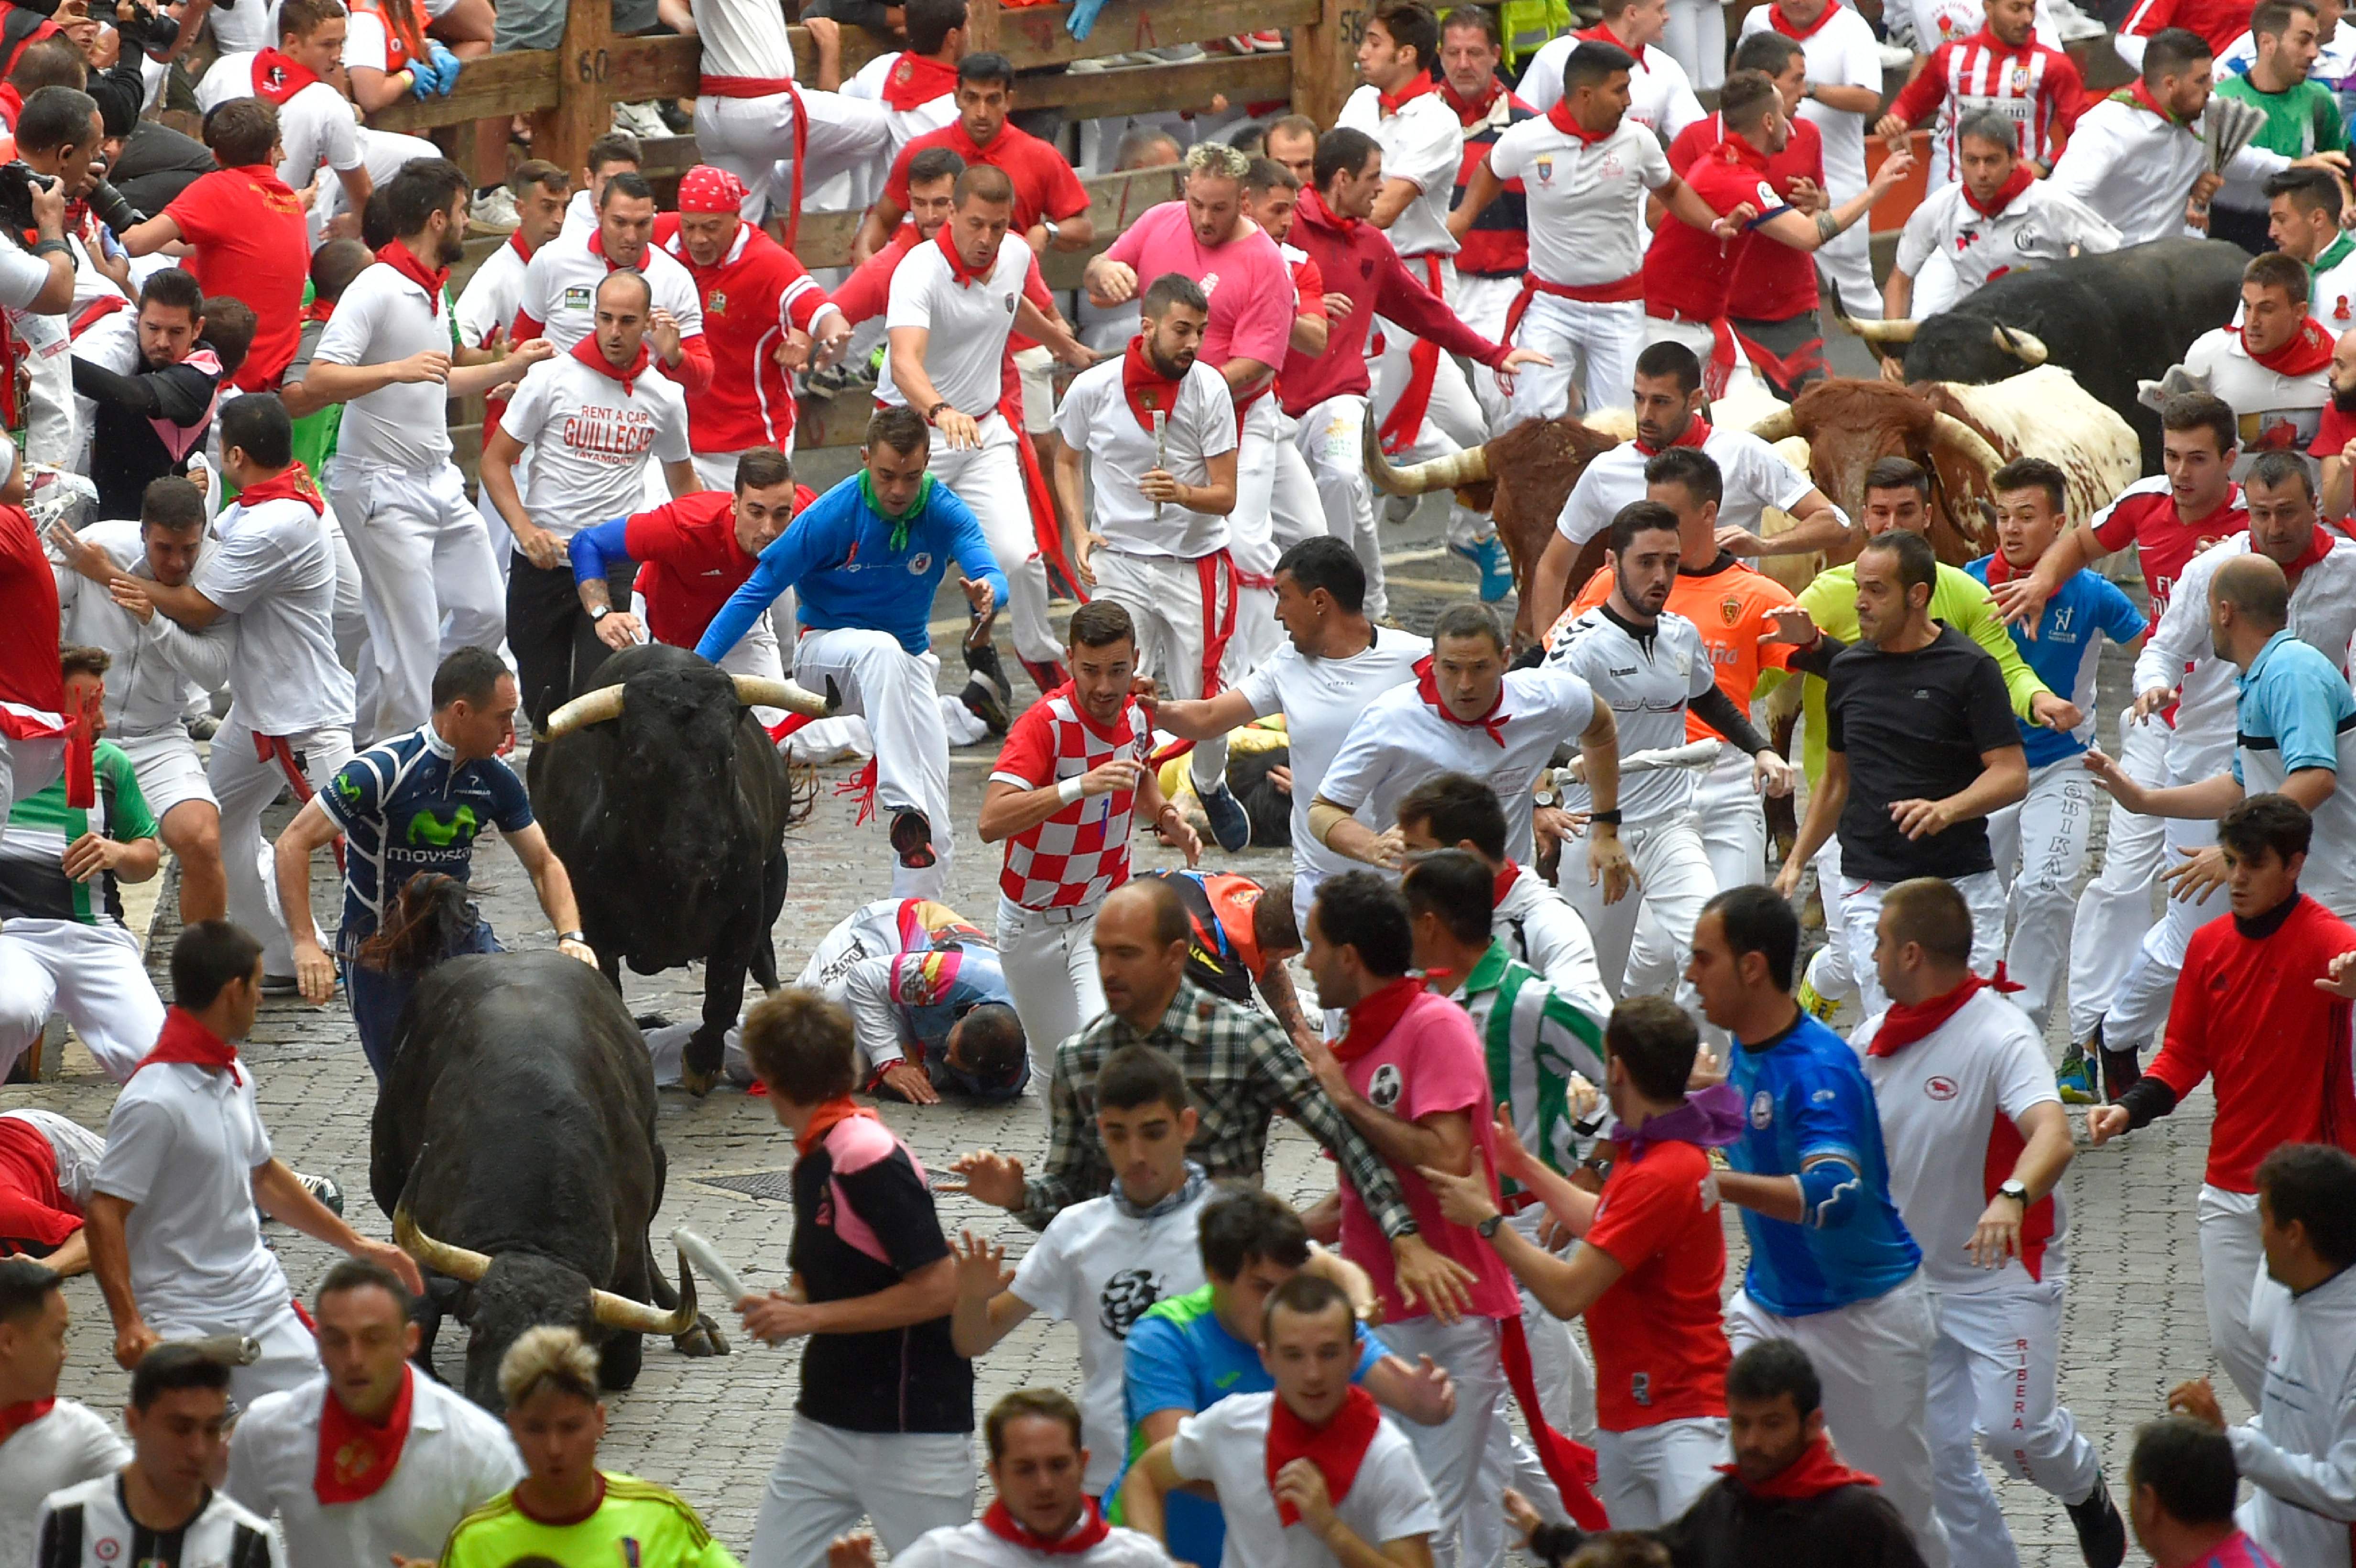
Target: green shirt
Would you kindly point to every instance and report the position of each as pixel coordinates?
(2299, 123)
(33, 881)
(637, 1524)
(1534, 1037)
(1958, 598)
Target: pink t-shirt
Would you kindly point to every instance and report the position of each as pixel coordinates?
(1246, 280)
(1430, 1064)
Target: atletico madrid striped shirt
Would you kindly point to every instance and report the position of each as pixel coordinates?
(2035, 87)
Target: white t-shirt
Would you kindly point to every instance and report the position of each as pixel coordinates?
(274, 567)
(1647, 681)
(182, 1146)
(591, 441)
(378, 321)
(560, 288)
(1228, 1447)
(1095, 417)
(1944, 1101)
(77, 1149)
(1100, 1269)
(974, 1545)
(744, 37)
(2274, 410)
(2040, 226)
(489, 299)
(967, 324)
(1754, 477)
(315, 126)
(71, 1445)
(250, 26)
(1321, 700)
(1841, 53)
(1660, 94)
(1586, 199)
(1422, 144)
(906, 124)
(457, 1457)
(1400, 740)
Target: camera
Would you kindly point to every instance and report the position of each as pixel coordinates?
(144, 27)
(16, 178)
(112, 208)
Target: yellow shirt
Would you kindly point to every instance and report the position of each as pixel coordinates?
(637, 1524)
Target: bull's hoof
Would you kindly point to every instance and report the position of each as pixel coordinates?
(704, 1339)
(697, 1081)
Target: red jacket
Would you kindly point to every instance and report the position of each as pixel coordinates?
(1773, 282)
(749, 295)
(2218, 21)
(1354, 258)
(690, 562)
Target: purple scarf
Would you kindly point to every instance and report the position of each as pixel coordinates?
(1711, 1118)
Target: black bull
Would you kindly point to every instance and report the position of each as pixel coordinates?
(670, 814)
(514, 1143)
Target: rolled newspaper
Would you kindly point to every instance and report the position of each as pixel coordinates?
(706, 1260)
(229, 1350)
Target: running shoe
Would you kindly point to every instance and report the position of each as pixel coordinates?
(2075, 1078)
(494, 208)
(1398, 508)
(1496, 568)
(1230, 824)
(281, 986)
(912, 839)
(2102, 1533)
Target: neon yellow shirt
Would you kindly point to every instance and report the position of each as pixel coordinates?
(1958, 598)
(637, 1524)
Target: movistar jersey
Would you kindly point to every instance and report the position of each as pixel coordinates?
(403, 809)
(2082, 613)
(33, 881)
(1810, 1114)
(1181, 1357)
(637, 1524)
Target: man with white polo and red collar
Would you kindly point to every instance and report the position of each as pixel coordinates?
(370, 1462)
(1996, 217)
(1978, 1141)
(316, 128)
(2273, 364)
(756, 300)
(1660, 92)
(560, 283)
(1844, 90)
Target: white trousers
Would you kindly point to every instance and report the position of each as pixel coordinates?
(752, 138)
(1454, 420)
(989, 478)
(1482, 304)
(1294, 511)
(425, 562)
(1598, 343)
(893, 690)
(1829, 970)
(1331, 441)
(2139, 1008)
(1674, 881)
(1845, 261)
(1455, 1453)
(1862, 911)
(92, 974)
(1163, 595)
(2233, 1273)
(352, 609)
(1698, 336)
(1993, 1376)
(28, 767)
(1650, 1475)
(1252, 532)
(1732, 822)
(1874, 1360)
(1695, 39)
(290, 1352)
(2116, 909)
(246, 784)
(1049, 959)
(827, 1479)
(2040, 844)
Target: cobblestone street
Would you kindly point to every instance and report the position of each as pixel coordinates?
(710, 1428)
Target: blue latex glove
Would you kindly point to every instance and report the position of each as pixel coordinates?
(446, 65)
(425, 82)
(1083, 17)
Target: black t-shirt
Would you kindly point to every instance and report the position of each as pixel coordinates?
(1913, 727)
(864, 1219)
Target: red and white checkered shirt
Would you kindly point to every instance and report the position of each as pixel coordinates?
(1081, 853)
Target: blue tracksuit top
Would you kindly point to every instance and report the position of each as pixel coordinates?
(848, 570)
(1809, 1113)
(2082, 611)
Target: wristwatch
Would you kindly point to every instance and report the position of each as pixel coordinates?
(1488, 1227)
(2016, 1190)
(1545, 797)
(599, 613)
(1055, 230)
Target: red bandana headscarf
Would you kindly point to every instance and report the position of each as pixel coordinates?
(2136, 93)
(1559, 118)
(589, 354)
(824, 1119)
(1392, 103)
(1081, 1536)
(356, 1457)
(1336, 1448)
(1815, 1472)
(1427, 686)
(1314, 205)
(14, 1418)
(965, 277)
(915, 81)
(185, 1038)
(1790, 30)
(1907, 1022)
(707, 189)
(1470, 110)
(279, 76)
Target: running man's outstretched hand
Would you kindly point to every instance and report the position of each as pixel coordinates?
(2340, 979)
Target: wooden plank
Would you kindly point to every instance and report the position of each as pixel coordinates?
(1092, 95)
(584, 108)
(1033, 37)
(860, 44)
(1324, 58)
(523, 82)
(1114, 203)
(641, 70)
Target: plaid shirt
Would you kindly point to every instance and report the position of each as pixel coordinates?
(1243, 1071)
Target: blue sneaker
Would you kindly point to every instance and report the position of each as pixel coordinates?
(1496, 566)
(1230, 824)
(2075, 1078)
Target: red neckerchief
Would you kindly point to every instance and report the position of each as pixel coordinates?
(823, 1120)
(516, 244)
(1783, 23)
(2318, 545)
(320, 310)
(1815, 1472)
(2001, 570)
(1314, 206)
(1373, 1017)
(958, 272)
(2020, 181)
(14, 1418)
(403, 260)
(185, 1037)
(1503, 884)
(1559, 118)
(598, 249)
(1149, 391)
(292, 484)
(355, 1456)
(2309, 350)
(1336, 1448)
(1083, 1536)
(279, 76)
(589, 354)
(1427, 686)
(914, 80)
(1392, 103)
(1467, 111)
(1696, 431)
(2136, 93)
(1602, 33)
(1907, 1022)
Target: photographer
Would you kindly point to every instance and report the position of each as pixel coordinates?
(57, 140)
(37, 272)
(62, 133)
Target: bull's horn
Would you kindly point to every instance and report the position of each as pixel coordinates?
(1775, 427)
(2024, 347)
(1470, 466)
(1947, 430)
(589, 708)
(1878, 332)
(637, 1317)
(760, 691)
(439, 1256)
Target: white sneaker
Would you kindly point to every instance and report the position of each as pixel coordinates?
(640, 121)
(495, 210)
